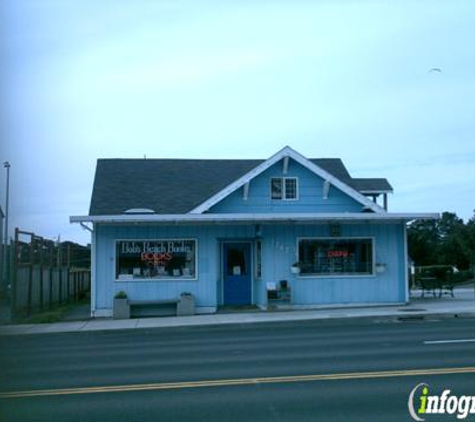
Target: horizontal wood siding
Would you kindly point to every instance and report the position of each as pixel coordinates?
(310, 195)
(279, 252)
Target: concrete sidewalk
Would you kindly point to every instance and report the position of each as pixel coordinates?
(463, 305)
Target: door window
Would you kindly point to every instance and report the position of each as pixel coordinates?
(236, 262)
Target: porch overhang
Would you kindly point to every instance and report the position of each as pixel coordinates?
(250, 218)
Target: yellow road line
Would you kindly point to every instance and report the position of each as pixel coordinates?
(238, 381)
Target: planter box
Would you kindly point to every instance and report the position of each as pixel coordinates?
(186, 305)
(121, 309)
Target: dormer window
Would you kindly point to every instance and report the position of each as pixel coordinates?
(284, 188)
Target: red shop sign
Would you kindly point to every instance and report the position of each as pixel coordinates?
(338, 254)
(156, 257)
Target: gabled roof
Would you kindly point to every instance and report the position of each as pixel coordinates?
(178, 186)
(164, 186)
(284, 153)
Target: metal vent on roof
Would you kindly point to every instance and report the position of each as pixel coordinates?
(139, 211)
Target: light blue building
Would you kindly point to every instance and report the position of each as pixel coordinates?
(287, 231)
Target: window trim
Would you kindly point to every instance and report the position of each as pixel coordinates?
(284, 189)
(148, 280)
(258, 260)
(373, 269)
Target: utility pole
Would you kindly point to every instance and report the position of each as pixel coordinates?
(6, 164)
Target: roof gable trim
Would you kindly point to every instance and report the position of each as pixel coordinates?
(286, 152)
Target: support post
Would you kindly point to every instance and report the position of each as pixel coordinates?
(245, 194)
(30, 275)
(60, 274)
(326, 189)
(41, 246)
(15, 275)
(6, 261)
(285, 168)
(51, 271)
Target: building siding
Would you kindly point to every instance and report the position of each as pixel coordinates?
(279, 251)
(310, 195)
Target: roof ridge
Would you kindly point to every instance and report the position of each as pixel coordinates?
(200, 159)
(180, 159)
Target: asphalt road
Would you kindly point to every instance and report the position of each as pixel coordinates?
(335, 370)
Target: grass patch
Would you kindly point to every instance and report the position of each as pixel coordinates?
(46, 317)
(49, 316)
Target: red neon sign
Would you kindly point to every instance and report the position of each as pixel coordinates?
(338, 254)
(156, 258)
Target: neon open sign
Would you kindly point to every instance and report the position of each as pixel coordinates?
(338, 254)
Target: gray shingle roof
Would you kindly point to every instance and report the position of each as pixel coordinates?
(176, 186)
(371, 185)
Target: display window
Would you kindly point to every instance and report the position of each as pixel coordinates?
(335, 256)
(156, 259)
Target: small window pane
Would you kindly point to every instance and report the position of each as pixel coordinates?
(236, 261)
(276, 187)
(291, 188)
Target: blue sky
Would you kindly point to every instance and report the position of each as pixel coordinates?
(83, 79)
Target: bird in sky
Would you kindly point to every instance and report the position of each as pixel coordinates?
(435, 70)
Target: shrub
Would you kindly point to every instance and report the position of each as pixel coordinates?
(462, 276)
(120, 295)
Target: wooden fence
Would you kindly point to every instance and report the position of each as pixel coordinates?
(44, 275)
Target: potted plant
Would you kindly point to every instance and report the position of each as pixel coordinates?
(295, 268)
(121, 307)
(186, 304)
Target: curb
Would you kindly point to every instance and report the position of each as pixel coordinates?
(141, 324)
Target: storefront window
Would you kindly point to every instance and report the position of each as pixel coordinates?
(336, 256)
(156, 259)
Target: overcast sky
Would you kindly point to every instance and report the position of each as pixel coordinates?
(88, 79)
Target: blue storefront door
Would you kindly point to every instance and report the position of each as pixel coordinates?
(237, 274)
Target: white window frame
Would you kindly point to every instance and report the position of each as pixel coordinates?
(284, 190)
(148, 280)
(324, 275)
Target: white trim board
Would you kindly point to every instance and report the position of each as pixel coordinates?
(284, 153)
(232, 218)
(93, 271)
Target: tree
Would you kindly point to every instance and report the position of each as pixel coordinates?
(447, 241)
(450, 250)
(423, 241)
(466, 240)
